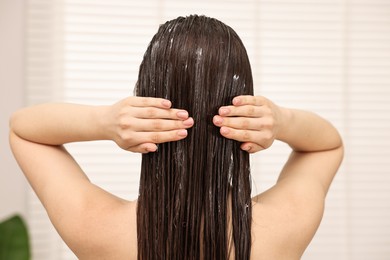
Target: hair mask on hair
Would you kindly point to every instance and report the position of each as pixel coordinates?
(194, 198)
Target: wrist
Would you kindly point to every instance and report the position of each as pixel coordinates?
(285, 119)
(100, 115)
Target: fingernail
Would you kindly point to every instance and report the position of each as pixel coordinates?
(236, 101)
(224, 130)
(182, 114)
(151, 149)
(166, 103)
(188, 122)
(218, 120)
(223, 111)
(246, 148)
(182, 132)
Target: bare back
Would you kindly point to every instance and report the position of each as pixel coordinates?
(96, 224)
(279, 229)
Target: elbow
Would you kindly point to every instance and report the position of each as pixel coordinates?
(11, 129)
(337, 142)
(15, 123)
(340, 148)
(11, 125)
(12, 133)
(339, 151)
(338, 145)
(11, 122)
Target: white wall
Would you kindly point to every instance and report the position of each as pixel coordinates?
(12, 182)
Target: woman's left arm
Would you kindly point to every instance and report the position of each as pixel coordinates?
(37, 135)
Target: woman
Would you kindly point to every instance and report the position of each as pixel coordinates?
(194, 200)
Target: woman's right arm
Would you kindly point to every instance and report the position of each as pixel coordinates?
(294, 205)
(317, 148)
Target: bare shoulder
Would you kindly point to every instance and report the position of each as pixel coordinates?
(286, 217)
(284, 222)
(110, 233)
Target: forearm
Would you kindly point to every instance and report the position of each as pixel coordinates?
(58, 123)
(307, 132)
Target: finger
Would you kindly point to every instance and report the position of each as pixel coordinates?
(160, 137)
(248, 100)
(261, 138)
(143, 148)
(251, 147)
(149, 102)
(158, 113)
(244, 123)
(244, 111)
(159, 125)
(238, 135)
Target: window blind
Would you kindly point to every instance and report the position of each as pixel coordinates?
(328, 56)
(368, 120)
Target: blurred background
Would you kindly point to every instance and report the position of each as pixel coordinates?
(328, 56)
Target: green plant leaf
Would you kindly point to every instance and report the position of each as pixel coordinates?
(14, 241)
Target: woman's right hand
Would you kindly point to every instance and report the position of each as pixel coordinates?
(138, 124)
(253, 120)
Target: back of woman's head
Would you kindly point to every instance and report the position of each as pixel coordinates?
(194, 199)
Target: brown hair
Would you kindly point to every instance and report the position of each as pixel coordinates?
(194, 197)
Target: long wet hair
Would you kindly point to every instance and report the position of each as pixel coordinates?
(194, 197)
